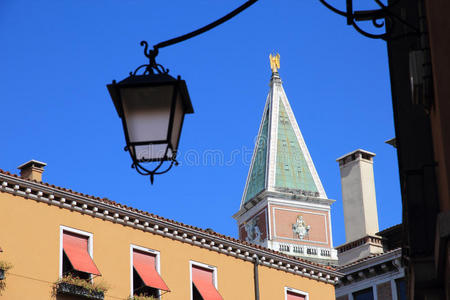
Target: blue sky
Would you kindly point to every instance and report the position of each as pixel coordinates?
(57, 56)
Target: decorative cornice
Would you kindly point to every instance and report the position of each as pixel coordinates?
(116, 213)
(370, 261)
(370, 267)
(282, 195)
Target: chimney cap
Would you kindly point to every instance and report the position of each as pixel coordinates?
(370, 154)
(32, 163)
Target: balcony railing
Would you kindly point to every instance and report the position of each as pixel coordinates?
(306, 251)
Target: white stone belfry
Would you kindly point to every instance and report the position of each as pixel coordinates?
(284, 205)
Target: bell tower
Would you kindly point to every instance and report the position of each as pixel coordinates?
(284, 206)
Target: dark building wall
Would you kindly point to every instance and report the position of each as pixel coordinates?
(438, 21)
(422, 124)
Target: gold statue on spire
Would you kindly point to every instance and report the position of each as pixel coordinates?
(274, 62)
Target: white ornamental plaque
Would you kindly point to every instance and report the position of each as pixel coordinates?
(300, 228)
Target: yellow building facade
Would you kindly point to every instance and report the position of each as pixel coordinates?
(34, 218)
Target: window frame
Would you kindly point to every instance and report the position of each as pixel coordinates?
(372, 288)
(157, 264)
(301, 293)
(205, 266)
(90, 237)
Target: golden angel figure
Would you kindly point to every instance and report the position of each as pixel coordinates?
(274, 62)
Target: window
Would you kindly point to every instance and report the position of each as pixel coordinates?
(76, 254)
(204, 282)
(292, 294)
(366, 294)
(401, 289)
(145, 278)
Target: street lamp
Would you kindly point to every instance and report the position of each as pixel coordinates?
(152, 106)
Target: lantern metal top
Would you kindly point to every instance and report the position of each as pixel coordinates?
(146, 81)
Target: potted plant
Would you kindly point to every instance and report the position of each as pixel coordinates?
(4, 267)
(70, 285)
(142, 297)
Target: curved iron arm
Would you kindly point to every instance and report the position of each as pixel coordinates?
(152, 66)
(205, 28)
(369, 35)
(376, 24)
(333, 9)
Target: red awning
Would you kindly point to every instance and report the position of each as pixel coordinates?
(145, 266)
(203, 281)
(76, 248)
(295, 296)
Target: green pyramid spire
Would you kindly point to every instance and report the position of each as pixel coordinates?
(281, 160)
(292, 170)
(258, 171)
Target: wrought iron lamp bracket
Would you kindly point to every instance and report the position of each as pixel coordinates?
(376, 16)
(152, 67)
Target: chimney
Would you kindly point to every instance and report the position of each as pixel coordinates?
(358, 194)
(32, 170)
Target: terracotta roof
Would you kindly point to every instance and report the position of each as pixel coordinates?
(367, 258)
(353, 244)
(390, 229)
(132, 209)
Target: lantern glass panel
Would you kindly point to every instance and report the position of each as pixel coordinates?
(147, 113)
(151, 152)
(177, 122)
